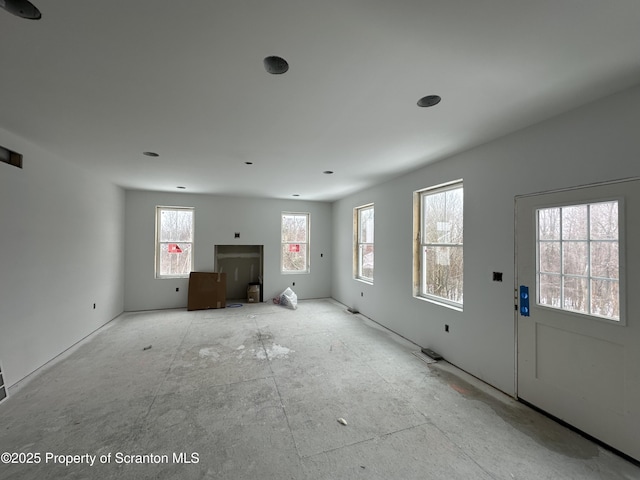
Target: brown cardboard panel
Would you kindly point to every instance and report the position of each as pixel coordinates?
(207, 290)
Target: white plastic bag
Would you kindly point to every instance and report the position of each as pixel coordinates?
(289, 299)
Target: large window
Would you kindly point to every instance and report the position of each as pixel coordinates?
(578, 259)
(363, 255)
(295, 242)
(439, 244)
(174, 242)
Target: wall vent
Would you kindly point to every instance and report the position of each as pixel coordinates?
(3, 388)
(10, 157)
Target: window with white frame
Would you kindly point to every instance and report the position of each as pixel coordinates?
(174, 241)
(578, 259)
(295, 242)
(363, 254)
(439, 266)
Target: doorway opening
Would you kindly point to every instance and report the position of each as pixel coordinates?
(243, 265)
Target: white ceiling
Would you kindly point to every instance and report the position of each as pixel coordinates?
(99, 82)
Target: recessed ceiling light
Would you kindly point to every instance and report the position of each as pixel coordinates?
(181, 188)
(275, 65)
(429, 101)
(295, 195)
(151, 154)
(328, 172)
(21, 8)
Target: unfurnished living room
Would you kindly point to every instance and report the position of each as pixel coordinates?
(320, 240)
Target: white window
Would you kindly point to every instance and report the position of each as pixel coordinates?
(578, 259)
(174, 241)
(295, 243)
(438, 264)
(363, 233)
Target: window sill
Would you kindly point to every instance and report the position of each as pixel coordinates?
(457, 308)
(362, 280)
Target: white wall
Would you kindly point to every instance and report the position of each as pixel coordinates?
(595, 143)
(61, 235)
(217, 218)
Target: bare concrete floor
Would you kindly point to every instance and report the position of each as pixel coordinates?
(255, 393)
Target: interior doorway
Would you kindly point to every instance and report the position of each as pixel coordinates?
(243, 265)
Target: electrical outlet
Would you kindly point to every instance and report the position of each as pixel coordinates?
(294, 284)
(446, 328)
(94, 306)
(362, 294)
(177, 289)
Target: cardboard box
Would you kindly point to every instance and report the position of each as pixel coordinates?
(207, 290)
(253, 293)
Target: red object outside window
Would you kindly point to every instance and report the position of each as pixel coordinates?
(174, 248)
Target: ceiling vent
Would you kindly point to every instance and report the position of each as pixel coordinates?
(21, 8)
(10, 157)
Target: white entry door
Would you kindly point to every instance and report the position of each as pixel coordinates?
(578, 253)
